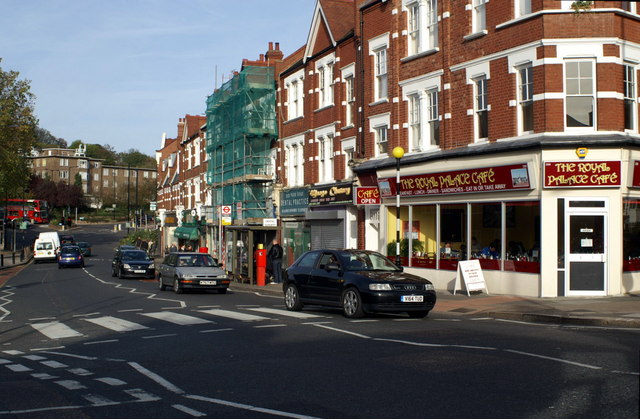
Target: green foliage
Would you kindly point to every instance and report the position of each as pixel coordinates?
(582, 5)
(17, 132)
(141, 235)
(134, 158)
(404, 247)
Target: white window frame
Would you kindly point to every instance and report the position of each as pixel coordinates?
(432, 112)
(376, 46)
(480, 107)
(570, 91)
(105, 172)
(294, 160)
(350, 96)
(64, 174)
(325, 157)
(324, 71)
(479, 15)
(630, 95)
(422, 25)
(376, 123)
(382, 140)
(348, 150)
(96, 177)
(522, 8)
(64, 162)
(415, 122)
(414, 35)
(198, 151)
(524, 76)
(630, 6)
(295, 95)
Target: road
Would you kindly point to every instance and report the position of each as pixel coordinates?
(77, 343)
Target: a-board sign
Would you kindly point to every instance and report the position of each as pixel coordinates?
(471, 273)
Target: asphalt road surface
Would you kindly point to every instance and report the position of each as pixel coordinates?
(78, 343)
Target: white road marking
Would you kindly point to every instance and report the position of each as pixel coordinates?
(215, 330)
(264, 326)
(55, 330)
(70, 384)
(4, 361)
(54, 364)
(142, 395)
(116, 324)
(155, 377)
(188, 411)
(86, 314)
(176, 318)
(564, 361)
(101, 341)
(80, 371)
(130, 310)
(160, 336)
(234, 315)
(96, 400)
(18, 368)
(34, 357)
(342, 331)
(296, 314)
(12, 352)
(249, 407)
(111, 381)
(43, 376)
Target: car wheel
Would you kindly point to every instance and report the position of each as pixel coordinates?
(113, 272)
(292, 298)
(222, 291)
(352, 304)
(121, 274)
(176, 286)
(161, 284)
(418, 314)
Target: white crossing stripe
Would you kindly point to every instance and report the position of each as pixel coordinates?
(142, 395)
(55, 330)
(70, 384)
(234, 315)
(115, 324)
(98, 400)
(111, 381)
(54, 364)
(18, 368)
(176, 318)
(296, 314)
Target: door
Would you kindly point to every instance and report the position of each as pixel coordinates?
(587, 253)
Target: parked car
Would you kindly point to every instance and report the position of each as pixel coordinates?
(66, 239)
(358, 281)
(191, 270)
(70, 256)
(85, 247)
(132, 264)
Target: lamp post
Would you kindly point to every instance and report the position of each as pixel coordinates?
(398, 153)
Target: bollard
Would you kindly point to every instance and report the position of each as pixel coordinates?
(1, 260)
(13, 257)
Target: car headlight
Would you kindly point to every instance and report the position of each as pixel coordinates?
(380, 287)
(152, 266)
(126, 266)
(429, 287)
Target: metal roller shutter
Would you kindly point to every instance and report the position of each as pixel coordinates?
(327, 234)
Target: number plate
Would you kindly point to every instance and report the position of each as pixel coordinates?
(208, 282)
(139, 271)
(412, 298)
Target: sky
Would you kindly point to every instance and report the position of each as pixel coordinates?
(122, 72)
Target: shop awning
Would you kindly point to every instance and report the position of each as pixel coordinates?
(186, 233)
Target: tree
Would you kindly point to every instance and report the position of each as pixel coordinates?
(45, 139)
(17, 132)
(134, 158)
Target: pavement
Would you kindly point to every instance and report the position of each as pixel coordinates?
(618, 311)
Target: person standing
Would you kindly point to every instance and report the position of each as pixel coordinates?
(274, 257)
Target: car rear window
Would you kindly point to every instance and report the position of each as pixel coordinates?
(44, 246)
(134, 255)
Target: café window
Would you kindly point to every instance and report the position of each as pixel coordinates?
(406, 234)
(486, 234)
(631, 235)
(522, 251)
(453, 230)
(424, 239)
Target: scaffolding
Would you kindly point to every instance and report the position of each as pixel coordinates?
(241, 126)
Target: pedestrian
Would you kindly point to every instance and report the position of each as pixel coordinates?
(274, 257)
(173, 248)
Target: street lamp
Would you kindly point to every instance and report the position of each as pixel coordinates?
(398, 153)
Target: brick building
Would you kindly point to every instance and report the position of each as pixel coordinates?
(518, 121)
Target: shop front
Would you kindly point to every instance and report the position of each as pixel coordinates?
(332, 217)
(296, 231)
(241, 242)
(546, 223)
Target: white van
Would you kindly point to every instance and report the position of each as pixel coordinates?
(51, 236)
(44, 249)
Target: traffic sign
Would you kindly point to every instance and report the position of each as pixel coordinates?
(225, 210)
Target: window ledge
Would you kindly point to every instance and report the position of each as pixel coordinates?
(292, 120)
(323, 108)
(347, 127)
(379, 102)
(475, 35)
(419, 55)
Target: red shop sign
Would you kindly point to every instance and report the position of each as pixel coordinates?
(485, 179)
(366, 195)
(581, 174)
(636, 174)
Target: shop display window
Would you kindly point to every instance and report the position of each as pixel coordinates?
(405, 232)
(453, 231)
(486, 233)
(522, 252)
(631, 235)
(424, 224)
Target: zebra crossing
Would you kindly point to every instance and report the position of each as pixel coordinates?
(55, 329)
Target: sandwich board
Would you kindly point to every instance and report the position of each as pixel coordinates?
(471, 273)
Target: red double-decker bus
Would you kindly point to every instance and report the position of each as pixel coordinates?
(34, 210)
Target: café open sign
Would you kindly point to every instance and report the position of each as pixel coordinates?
(581, 174)
(366, 195)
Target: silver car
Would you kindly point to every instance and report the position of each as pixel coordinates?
(191, 270)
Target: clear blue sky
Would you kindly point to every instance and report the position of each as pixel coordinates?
(121, 72)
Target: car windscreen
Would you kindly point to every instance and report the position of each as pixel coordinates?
(361, 261)
(70, 250)
(199, 261)
(135, 255)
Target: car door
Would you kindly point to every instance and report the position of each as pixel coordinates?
(166, 269)
(299, 273)
(326, 284)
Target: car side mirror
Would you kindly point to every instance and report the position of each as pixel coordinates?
(400, 267)
(332, 267)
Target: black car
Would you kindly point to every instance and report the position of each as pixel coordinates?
(132, 264)
(66, 239)
(358, 281)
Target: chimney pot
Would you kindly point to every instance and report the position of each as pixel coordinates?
(270, 46)
(277, 46)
